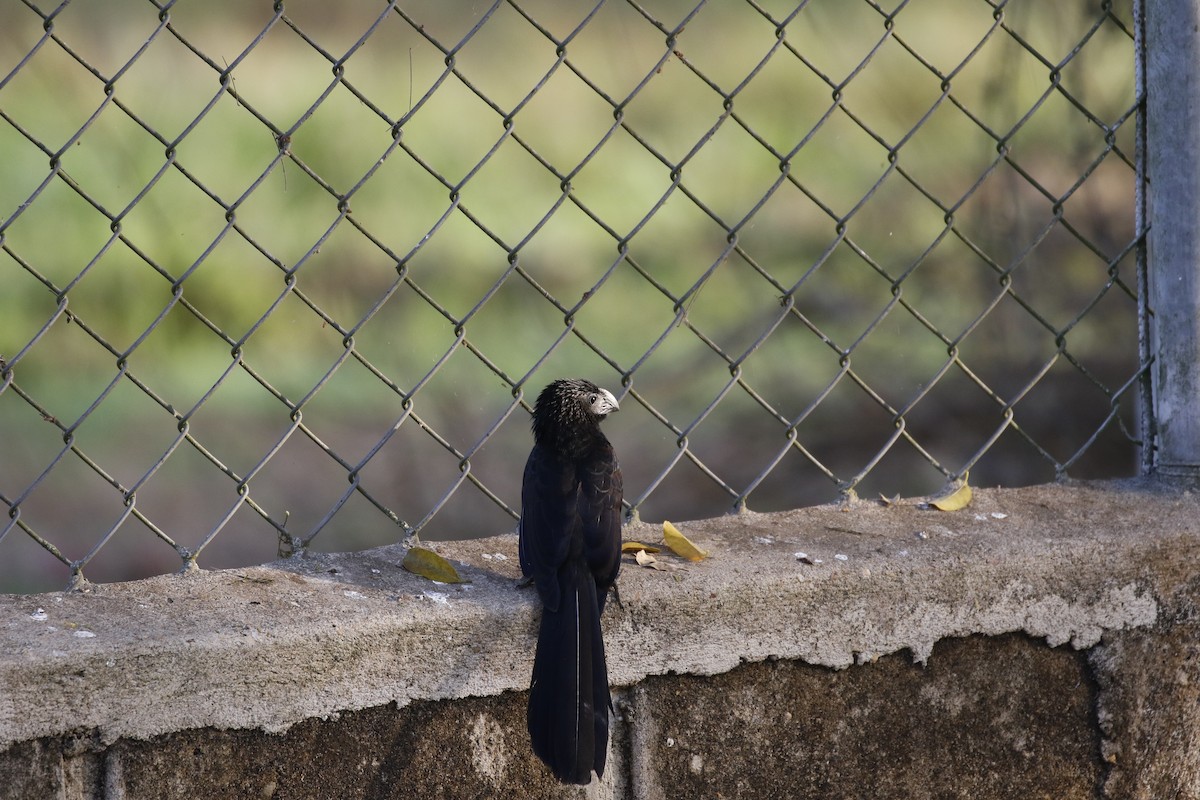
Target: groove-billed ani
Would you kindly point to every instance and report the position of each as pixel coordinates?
(571, 549)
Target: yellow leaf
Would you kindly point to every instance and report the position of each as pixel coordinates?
(633, 547)
(957, 496)
(429, 564)
(680, 545)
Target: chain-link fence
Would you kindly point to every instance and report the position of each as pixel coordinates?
(277, 277)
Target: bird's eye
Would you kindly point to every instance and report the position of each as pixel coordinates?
(592, 398)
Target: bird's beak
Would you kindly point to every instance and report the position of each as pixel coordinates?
(605, 403)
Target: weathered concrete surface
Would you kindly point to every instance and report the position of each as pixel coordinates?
(1022, 716)
(1149, 679)
(193, 680)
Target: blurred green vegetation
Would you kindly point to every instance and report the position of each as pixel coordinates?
(182, 187)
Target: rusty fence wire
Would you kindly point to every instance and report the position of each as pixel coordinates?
(277, 277)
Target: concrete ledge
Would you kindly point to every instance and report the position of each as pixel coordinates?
(1106, 567)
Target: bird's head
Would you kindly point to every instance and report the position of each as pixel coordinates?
(599, 402)
(570, 408)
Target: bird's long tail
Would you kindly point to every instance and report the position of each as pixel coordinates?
(568, 697)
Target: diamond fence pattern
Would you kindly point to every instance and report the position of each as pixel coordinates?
(288, 276)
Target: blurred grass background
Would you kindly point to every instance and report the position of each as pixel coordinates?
(109, 221)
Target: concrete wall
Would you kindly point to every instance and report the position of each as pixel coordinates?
(1043, 642)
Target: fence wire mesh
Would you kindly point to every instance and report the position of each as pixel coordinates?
(288, 276)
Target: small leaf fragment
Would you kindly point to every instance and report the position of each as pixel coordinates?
(633, 547)
(680, 545)
(644, 559)
(428, 564)
(957, 497)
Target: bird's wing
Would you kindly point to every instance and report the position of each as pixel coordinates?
(549, 521)
(600, 496)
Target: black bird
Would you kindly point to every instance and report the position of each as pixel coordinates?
(570, 545)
